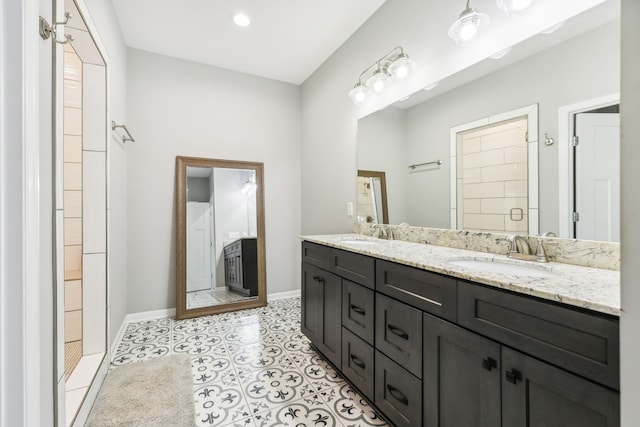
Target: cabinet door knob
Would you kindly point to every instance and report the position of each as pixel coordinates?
(397, 331)
(397, 394)
(513, 376)
(357, 361)
(358, 310)
(318, 279)
(489, 363)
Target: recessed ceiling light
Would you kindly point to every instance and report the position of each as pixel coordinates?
(241, 19)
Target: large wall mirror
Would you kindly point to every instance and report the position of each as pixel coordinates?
(220, 236)
(454, 155)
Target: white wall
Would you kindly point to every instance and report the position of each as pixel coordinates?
(181, 108)
(630, 155)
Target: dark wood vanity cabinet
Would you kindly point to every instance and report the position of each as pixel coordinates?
(432, 350)
(241, 266)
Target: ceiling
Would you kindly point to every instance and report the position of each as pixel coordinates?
(287, 40)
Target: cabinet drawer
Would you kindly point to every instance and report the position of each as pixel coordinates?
(357, 310)
(317, 255)
(355, 267)
(399, 333)
(427, 291)
(357, 362)
(584, 343)
(398, 394)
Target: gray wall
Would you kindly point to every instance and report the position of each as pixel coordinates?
(183, 108)
(630, 233)
(582, 68)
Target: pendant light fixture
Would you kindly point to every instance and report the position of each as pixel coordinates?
(468, 26)
(396, 65)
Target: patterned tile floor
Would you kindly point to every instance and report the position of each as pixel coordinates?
(252, 368)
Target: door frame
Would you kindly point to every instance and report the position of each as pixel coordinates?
(566, 125)
(20, 215)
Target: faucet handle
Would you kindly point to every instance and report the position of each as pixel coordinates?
(540, 253)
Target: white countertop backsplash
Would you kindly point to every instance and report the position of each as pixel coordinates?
(595, 289)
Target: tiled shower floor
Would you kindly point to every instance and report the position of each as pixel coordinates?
(252, 368)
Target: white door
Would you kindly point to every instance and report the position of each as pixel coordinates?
(597, 176)
(198, 246)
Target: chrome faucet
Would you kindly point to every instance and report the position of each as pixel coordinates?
(523, 251)
(383, 233)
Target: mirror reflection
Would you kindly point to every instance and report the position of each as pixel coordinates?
(222, 237)
(528, 180)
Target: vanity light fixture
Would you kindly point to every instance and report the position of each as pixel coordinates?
(468, 26)
(250, 186)
(513, 7)
(394, 65)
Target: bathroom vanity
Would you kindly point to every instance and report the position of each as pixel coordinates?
(431, 341)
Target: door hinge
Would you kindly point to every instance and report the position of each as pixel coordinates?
(526, 136)
(575, 140)
(576, 217)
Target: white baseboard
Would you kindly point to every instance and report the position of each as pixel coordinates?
(282, 295)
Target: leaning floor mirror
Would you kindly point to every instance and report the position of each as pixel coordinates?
(220, 236)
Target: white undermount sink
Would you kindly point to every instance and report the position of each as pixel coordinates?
(503, 267)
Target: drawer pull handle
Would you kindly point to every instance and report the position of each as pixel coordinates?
(397, 331)
(397, 394)
(489, 363)
(318, 279)
(513, 376)
(358, 310)
(357, 361)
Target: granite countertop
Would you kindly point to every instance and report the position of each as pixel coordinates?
(591, 288)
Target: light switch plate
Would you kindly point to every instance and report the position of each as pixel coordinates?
(349, 209)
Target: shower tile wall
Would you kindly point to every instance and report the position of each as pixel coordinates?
(494, 167)
(72, 209)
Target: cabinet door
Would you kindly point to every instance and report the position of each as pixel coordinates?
(537, 394)
(321, 311)
(311, 302)
(330, 338)
(461, 381)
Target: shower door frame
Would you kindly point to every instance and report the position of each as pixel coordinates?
(58, 108)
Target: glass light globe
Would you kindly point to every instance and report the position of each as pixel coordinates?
(359, 94)
(468, 26)
(401, 66)
(378, 80)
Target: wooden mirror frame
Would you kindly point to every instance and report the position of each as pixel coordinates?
(181, 237)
